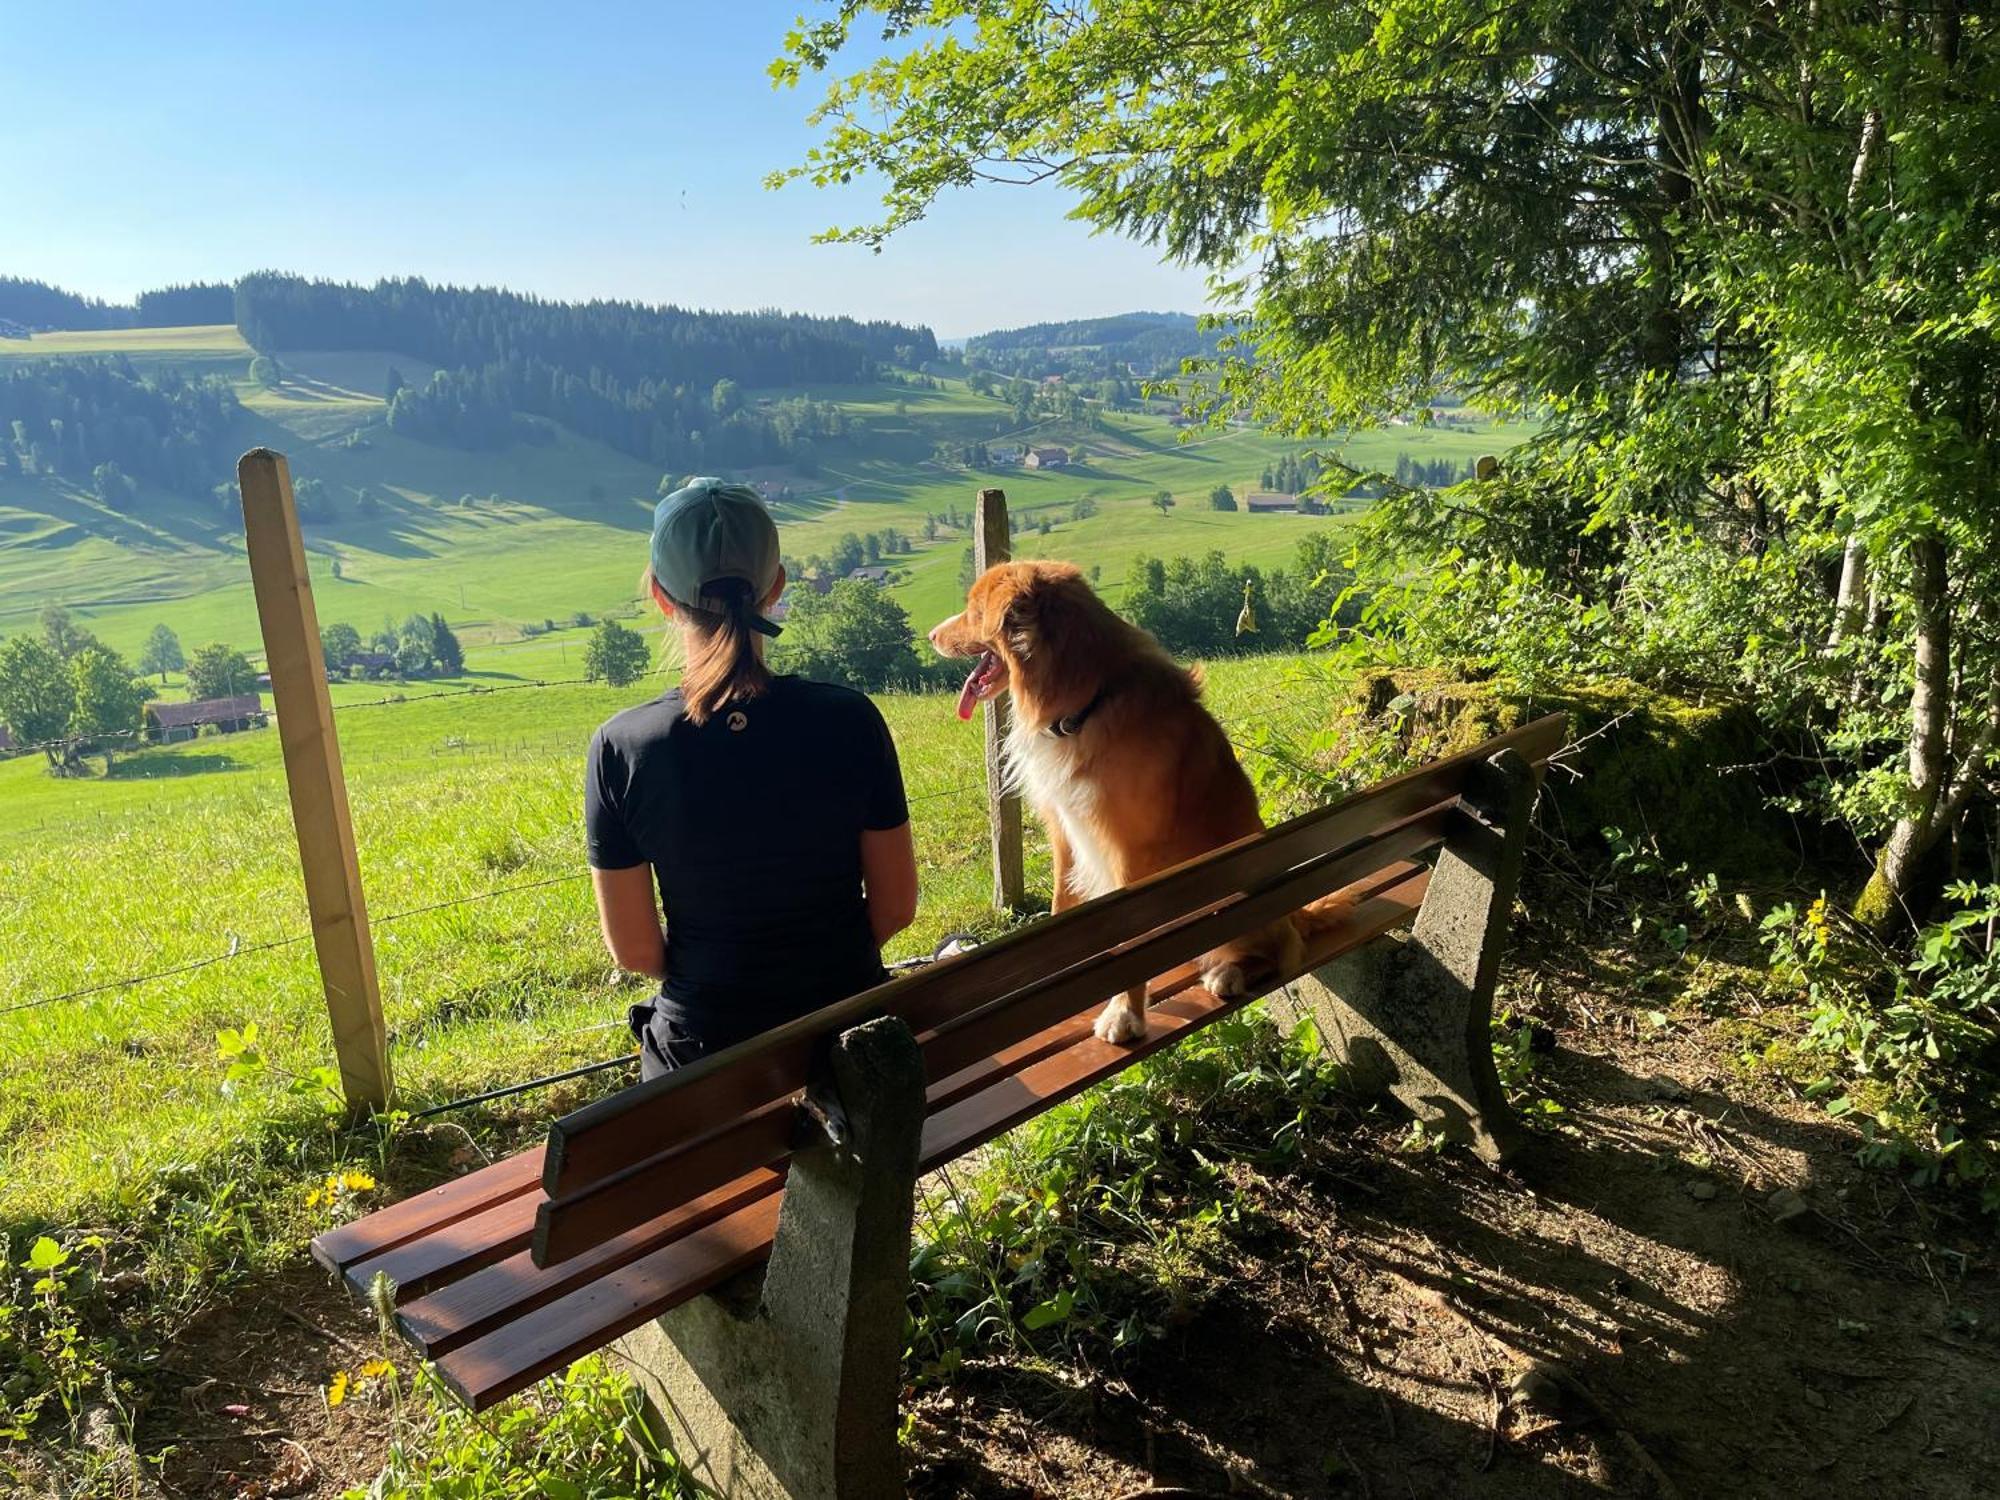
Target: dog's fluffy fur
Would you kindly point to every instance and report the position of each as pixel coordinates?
(1146, 781)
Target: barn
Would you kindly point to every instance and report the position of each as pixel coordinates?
(172, 723)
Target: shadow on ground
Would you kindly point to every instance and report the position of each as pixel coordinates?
(1366, 1330)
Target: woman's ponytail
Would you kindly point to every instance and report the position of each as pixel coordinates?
(725, 654)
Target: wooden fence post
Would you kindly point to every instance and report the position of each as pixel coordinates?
(313, 775)
(992, 543)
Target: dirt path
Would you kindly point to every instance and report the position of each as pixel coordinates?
(1677, 1338)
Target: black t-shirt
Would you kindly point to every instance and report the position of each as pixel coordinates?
(752, 823)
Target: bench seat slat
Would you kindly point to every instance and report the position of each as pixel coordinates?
(568, 1225)
(502, 1292)
(515, 1345)
(594, 1143)
(455, 1250)
(423, 1213)
(555, 1335)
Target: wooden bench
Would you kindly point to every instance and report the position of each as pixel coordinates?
(802, 1147)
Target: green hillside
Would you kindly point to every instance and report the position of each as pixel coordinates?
(541, 530)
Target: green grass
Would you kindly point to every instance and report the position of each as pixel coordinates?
(189, 849)
(219, 342)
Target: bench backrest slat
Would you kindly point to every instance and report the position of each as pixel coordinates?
(600, 1141)
(573, 1223)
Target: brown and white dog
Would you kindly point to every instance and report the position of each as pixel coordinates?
(1127, 771)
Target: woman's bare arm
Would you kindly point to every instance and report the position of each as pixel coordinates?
(629, 914)
(889, 876)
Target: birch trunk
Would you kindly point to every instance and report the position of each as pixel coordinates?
(1887, 893)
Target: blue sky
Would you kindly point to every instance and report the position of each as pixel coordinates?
(578, 149)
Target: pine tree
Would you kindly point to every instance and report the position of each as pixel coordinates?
(446, 653)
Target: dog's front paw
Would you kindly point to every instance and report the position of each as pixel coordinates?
(1120, 1022)
(1226, 982)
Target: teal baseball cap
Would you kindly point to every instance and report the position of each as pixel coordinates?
(709, 531)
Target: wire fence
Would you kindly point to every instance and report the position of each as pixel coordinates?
(239, 950)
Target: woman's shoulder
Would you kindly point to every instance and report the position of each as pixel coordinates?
(823, 697)
(642, 721)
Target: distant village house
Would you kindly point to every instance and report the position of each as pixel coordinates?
(1271, 500)
(172, 723)
(1046, 458)
(870, 575)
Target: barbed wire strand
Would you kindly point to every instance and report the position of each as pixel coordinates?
(136, 979)
(72, 740)
(623, 1060)
(248, 949)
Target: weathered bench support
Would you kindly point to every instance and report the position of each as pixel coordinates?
(1412, 1017)
(787, 1391)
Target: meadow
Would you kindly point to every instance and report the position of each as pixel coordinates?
(186, 854)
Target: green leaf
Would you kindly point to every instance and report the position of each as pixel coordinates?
(1046, 1314)
(45, 1255)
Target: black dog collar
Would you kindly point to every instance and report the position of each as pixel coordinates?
(1069, 724)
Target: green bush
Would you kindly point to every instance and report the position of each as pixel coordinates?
(1911, 1049)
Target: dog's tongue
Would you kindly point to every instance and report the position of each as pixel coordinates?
(968, 696)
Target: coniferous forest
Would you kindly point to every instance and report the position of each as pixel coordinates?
(35, 306)
(627, 342)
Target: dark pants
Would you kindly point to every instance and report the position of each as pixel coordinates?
(663, 1044)
(667, 1041)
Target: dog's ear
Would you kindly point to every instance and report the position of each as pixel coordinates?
(1053, 604)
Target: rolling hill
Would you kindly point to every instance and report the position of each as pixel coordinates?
(552, 524)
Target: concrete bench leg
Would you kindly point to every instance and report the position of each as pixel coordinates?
(1412, 1018)
(789, 1391)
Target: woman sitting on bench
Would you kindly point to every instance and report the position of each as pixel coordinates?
(769, 809)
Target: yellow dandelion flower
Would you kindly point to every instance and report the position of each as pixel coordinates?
(375, 1369)
(336, 1388)
(356, 1182)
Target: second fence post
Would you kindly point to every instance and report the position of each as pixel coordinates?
(314, 777)
(991, 543)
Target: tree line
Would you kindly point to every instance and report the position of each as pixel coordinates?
(680, 426)
(37, 306)
(464, 328)
(99, 422)
(1094, 348)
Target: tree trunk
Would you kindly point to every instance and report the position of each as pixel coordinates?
(1885, 899)
(1847, 604)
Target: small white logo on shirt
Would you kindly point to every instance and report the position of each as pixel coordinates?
(738, 722)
